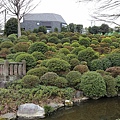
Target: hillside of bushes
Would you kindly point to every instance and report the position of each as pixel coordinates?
(58, 64)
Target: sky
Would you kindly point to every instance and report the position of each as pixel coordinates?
(70, 10)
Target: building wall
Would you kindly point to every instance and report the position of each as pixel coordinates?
(30, 25)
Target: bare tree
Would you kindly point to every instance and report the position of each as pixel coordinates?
(19, 8)
(106, 10)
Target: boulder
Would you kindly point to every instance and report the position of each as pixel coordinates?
(68, 103)
(8, 116)
(30, 111)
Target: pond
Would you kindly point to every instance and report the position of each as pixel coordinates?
(102, 109)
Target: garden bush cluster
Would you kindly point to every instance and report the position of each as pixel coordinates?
(60, 63)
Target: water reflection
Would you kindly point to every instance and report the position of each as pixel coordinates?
(102, 109)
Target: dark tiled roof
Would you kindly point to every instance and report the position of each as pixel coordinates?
(44, 17)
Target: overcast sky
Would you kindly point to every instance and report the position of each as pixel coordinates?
(70, 10)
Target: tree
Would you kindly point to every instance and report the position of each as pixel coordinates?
(94, 30)
(71, 27)
(79, 28)
(11, 26)
(106, 10)
(104, 28)
(19, 8)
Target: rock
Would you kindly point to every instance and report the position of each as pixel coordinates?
(84, 98)
(68, 103)
(30, 110)
(8, 116)
(56, 106)
(78, 94)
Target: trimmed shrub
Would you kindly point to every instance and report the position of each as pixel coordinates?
(64, 50)
(114, 71)
(49, 78)
(73, 78)
(60, 82)
(6, 44)
(12, 37)
(115, 44)
(71, 56)
(10, 56)
(30, 60)
(21, 47)
(37, 71)
(117, 79)
(4, 52)
(60, 36)
(95, 42)
(107, 40)
(75, 44)
(76, 50)
(96, 65)
(30, 81)
(18, 53)
(38, 55)
(64, 40)
(81, 68)
(106, 63)
(53, 40)
(32, 37)
(93, 85)
(38, 46)
(84, 41)
(74, 62)
(87, 55)
(23, 38)
(114, 58)
(110, 86)
(58, 65)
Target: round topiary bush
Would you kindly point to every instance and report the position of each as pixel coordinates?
(12, 37)
(71, 56)
(114, 59)
(6, 44)
(37, 71)
(21, 47)
(96, 65)
(74, 62)
(84, 41)
(38, 46)
(73, 78)
(76, 50)
(87, 55)
(30, 60)
(117, 79)
(53, 40)
(110, 86)
(81, 68)
(32, 37)
(58, 65)
(93, 85)
(64, 50)
(60, 82)
(38, 55)
(75, 44)
(64, 40)
(106, 63)
(30, 81)
(48, 78)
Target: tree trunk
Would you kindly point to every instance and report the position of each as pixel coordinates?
(19, 28)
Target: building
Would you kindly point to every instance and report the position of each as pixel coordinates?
(49, 20)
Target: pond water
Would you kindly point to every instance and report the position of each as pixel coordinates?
(102, 109)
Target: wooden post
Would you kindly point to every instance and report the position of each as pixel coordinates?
(6, 69)
(24, 67)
